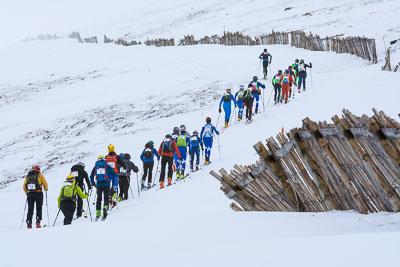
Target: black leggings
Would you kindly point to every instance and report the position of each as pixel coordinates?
(148, 167)
(249, 107)
(102, 190)
(32, 198)
(277, 95)
(164, 161)
(68, 209)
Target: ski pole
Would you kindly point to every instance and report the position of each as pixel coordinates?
(230, 120)
(269, 98)
(47, 208)
(23, 215)
(137, 182)
(219, 149)
(216, 126)
(130, 188)
(56, 217)
(264, 100)
(259, 65)
(90, 213)
(311, 75)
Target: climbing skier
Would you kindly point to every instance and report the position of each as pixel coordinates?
(101, 176)
(277, 87)
(294, 77)
(303, 73)
(226, 99)
(78, 171)
(239, 101)
(267, 59)
(206, 135)
(147, 158)
(33, 185)
(183, 142)
(248, 99)
(68, 196)
(194, 149)
(175, 133)
(256, 90)
(116, 162)
(124, 178)
(295, 69)
(166, 151)
(284, 82)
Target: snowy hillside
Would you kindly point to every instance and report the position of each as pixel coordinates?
(62, 102)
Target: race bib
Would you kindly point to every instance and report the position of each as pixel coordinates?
(75, 173)
(101, 171)
(112, 164)
(31, 186)
(122, 169)
(194, 138)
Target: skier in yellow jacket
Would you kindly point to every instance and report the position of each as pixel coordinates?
(33, 185)
(67, 198)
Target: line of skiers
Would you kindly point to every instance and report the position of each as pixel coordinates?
(111, 174)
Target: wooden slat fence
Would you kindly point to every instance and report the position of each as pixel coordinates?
(350, 164)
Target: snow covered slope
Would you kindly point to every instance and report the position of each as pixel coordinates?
(62, 102)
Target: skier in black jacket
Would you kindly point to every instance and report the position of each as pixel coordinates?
(124, 177)
(267, 59)
(78, 171)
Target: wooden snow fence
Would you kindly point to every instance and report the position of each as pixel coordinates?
(350, 164)
(359, 46)
(160, 42)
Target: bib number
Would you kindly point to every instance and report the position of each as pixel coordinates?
(75, 173)
(101, 171)
(112, 164)
(31, 186)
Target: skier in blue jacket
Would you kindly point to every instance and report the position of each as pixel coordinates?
(226, 99)
(206, 136)
(256, 90)
(101, 176)
(147, 158)
(194, 149)
(239, 101)
(183, 142)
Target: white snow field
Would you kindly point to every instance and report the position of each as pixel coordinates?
(62, 102)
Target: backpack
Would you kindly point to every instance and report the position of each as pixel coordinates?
(301, 67)
(195, 141)
(68, 192)
(277, 78)
(32, 183)
(112, 161)
(148, 153)
(167, 146)
(122, 170)
(227, 97)
(285, 78)
(101, 172)
(181, 140)
(247, 93)
(240, 94)
(208, 130)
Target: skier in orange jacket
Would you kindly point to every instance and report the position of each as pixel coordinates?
(285, 82)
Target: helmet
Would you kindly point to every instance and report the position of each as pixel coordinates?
(265, 50)
(183, 128)
(241, 87)
(151, 143)
(168, 136)
(121, 155)
(290, 67)
(70, 178)
(279, 71)
(255, 78)
(301, 60)
(297, 61)
(101, 157)
(286, 71)
(195, 132)
(175, 130)
(228, 90)
(111, 148)
(208, 120)
(127, 156)
(81, 164)
(36, 168)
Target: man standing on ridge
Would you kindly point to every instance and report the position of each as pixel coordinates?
(206, 136)
(226, 99)
(256, 90)
(34, 182)
(267, 59)
(78, 171)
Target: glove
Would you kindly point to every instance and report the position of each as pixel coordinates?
(219, 110)
(270, 62)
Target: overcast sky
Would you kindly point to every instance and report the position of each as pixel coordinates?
(25, 18)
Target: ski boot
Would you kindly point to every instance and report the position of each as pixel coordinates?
(28, 224)
(182, 174)
(169, 181)
(161, 185)
(148, 185)
(105, 211)
(207, 160)
(98, 214)
(197, 167)
(256, 111)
